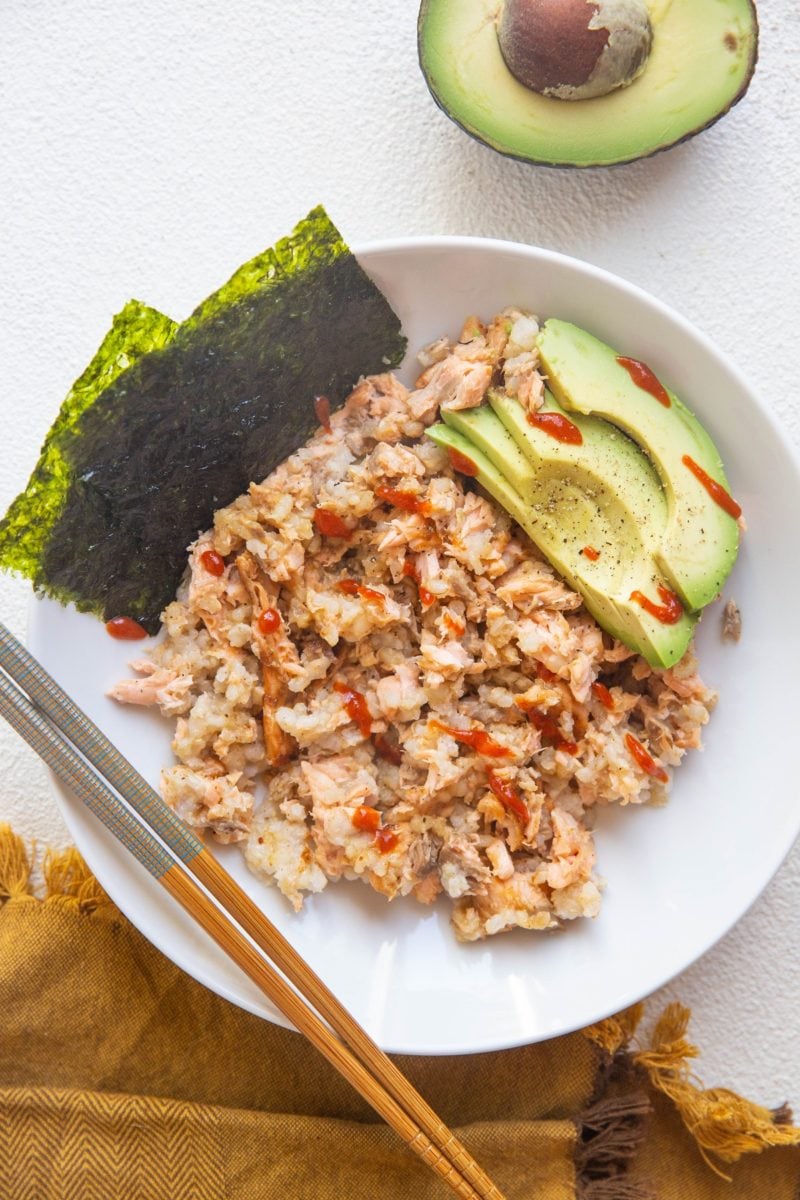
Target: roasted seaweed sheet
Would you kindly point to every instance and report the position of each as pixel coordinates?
(170, 422)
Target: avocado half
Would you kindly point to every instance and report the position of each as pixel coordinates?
(702, 59)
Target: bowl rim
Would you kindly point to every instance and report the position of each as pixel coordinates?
(602, 275)
(73, 816)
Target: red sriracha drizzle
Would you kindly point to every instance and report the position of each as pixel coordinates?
(508, 796)
(477, 739)
(269, 620)
(645, 379)
(547, 726)
(669, 612)
(461, 463)
(366, 819)
(125, 629)
(329, 525)
(558, 426)
(351, 587)
(645, 760)
(386, 839)
(407, 501)
(715, 490)
(355, 705)
(603, 695)
(214, 563)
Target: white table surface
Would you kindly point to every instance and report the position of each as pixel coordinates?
(147, 149)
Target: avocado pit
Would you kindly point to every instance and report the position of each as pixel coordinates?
(575, 49)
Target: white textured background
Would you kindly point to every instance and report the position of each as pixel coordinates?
(146, 149)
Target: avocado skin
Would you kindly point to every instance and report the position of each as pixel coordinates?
(427, 6)
(700, 542)
(660, 645)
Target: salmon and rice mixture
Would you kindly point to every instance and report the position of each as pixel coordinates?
(374, 675)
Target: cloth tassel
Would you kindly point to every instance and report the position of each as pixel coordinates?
(722, 1123)
(614, 1189)
(67, 877)
(614, 1033)
(15, 866)
(610, 1134)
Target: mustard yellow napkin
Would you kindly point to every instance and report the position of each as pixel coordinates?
(123, 1079)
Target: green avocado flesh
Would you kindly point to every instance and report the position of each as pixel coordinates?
(602, 494)
(171, 422)
(701, 62)
(698, 544)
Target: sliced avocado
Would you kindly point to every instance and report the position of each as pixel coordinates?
(614, 466)
(702, 58)
(491, 437)
(486, 473)
(566, 508)
(700, 541)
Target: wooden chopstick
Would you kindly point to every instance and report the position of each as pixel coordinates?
(386, 1088)
(63, 760)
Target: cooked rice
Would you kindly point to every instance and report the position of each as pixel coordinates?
(463, 626)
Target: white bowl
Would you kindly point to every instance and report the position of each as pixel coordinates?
(678, 877)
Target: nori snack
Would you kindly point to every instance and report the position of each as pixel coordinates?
(25, 530)
(170, 423)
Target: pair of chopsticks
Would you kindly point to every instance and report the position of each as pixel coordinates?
(95, 771)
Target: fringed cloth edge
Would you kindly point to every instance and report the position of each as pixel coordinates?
(723, 1124)
(610, 1131)
(67, 879)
